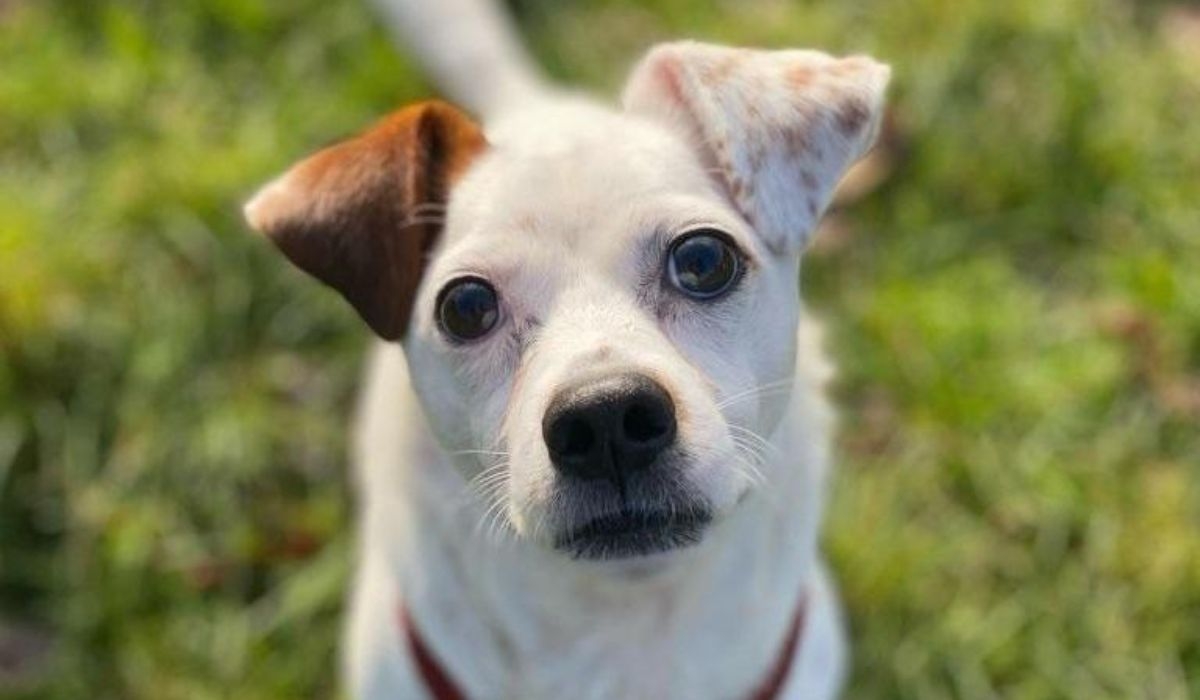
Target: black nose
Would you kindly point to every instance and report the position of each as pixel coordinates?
(610, 427)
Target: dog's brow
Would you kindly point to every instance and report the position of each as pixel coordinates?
(496, 265)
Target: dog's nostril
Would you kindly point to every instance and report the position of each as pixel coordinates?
(644, 422)
(608, 427)
(576, 437)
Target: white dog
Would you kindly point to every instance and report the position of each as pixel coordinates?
(593, 443)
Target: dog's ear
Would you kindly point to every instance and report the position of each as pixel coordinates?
(777, 128)
(362, 215)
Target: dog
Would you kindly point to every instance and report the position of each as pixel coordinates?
(593, 444)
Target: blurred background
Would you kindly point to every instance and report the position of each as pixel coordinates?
(1012, 286)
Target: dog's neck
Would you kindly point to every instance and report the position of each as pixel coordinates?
(495, 609)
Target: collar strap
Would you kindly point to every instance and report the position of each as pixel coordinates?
(441, 686)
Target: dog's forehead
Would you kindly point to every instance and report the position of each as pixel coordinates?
(580, 176)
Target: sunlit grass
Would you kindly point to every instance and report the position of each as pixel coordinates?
(1015, 311)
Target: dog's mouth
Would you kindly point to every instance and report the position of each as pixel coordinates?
(631, 533)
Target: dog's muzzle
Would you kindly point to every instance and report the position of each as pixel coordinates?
(610, 438)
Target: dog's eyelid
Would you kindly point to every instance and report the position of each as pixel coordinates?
(462, 273)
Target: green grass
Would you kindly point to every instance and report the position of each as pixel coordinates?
(1016, 314)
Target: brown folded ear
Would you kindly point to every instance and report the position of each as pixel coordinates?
(362, 215)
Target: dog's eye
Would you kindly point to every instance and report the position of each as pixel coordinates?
(467, 309)
(703, 264)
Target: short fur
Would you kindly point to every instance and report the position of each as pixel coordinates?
(568, 210)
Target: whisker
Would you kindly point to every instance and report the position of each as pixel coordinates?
(493, 524)
(492, 469)
(755, 437)
(751, 473)
(765, 389)
(755, 476)
(748, 464)
(493, 489)
(749, 451)
(540, 523)
(487, 474)
(478, 452)
(755, 394)
(497, 475)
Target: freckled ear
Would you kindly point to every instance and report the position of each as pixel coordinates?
(362, 215)
(778, 128)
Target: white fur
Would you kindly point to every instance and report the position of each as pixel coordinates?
(469, 47)
(567, 214)
(513, 620)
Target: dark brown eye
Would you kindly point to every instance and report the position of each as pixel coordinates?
(703, 264)
(467, 309)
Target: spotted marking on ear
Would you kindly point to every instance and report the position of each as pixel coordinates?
(851, 116)
(797, 140)
(720, 71)
(801, 76)
(776, 128)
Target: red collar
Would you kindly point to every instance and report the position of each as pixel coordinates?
(442, 687)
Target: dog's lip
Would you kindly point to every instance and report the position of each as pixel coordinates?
(629, 533)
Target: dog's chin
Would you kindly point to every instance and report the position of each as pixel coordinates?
(635, 535)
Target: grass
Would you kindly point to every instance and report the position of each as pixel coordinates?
(1016, 314)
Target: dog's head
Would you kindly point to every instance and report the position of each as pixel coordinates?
(598, 307)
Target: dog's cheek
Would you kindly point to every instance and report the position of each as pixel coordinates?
(487, 419)
(744, 345)
(711, 360)
(768, 337)
(712, 337)
(445, 401)
(462, 388)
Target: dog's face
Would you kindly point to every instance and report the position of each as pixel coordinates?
(605, 329)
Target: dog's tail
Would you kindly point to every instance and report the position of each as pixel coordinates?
(471, 49)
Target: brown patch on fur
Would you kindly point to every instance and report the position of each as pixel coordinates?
(747, 211)
(526, 222)
(714, 151)
(757, 156)
(754, 114)
(852, 115)
(801, 76)
(711, 75)
(737, 187)
(351, 215)
(741, 193)
(849, 66)
(797, 140)
(719, 71)
(809, 180)
(666, 71)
